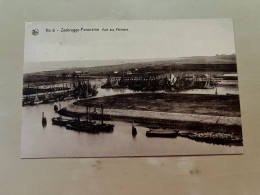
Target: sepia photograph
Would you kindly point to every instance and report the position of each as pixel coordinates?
(130, 89)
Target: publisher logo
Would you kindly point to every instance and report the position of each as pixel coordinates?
(35, 32)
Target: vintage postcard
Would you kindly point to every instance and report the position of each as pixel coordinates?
(130, 88)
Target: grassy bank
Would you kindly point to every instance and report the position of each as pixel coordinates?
(217, 105)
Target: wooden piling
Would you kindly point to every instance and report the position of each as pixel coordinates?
(44, 120)
(102, 113)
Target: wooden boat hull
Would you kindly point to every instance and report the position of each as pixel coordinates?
(216, 140)
(91, 127)
(61, 122)
(162, 133)
(80, 128)
(105, 127)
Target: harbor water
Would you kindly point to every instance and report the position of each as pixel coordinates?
(56, 141)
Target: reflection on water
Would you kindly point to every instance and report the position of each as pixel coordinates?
(55, 141)
(221, 90)
(108, 92)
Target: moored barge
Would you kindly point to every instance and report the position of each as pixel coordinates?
(162, 133)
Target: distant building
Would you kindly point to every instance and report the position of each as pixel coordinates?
(230, 77)
(78, 72)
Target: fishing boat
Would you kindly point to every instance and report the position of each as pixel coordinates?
(62, 122)
(48, 98)
(104, 127)
(36, 100)
(122, 82)
(207, 85)
(26, 101)
(162, 133)
(84, 89)
(89, 127)
(94, 90)
(107, 84)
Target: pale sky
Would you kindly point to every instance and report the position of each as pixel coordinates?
(144, 40)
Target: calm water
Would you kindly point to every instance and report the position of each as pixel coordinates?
(55, 141)
(221, 90)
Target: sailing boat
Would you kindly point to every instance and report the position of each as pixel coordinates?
(207, 85)
(94, 90)
(46, 98)
(87, 95)
(107, 84)
(36, 100)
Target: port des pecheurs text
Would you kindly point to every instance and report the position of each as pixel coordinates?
(76, 30)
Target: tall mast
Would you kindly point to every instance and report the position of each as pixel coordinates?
(29, 87)
(102, 113)
(87, 112)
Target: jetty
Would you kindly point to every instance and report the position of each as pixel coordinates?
(193, 122)
(121, 113)
(160, 81)
(214, 137)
